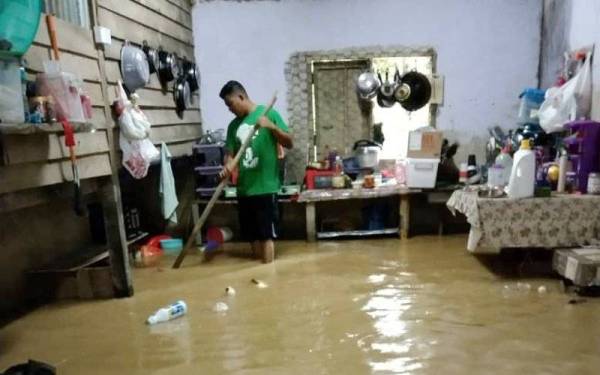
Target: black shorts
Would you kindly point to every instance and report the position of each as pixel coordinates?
(259, 217)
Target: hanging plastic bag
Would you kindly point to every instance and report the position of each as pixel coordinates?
(133, 122)
(138, 150)
(570, 101)
(137, 156)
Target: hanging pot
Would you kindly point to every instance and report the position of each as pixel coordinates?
(182, 95)
(367, 85)
(134, 67)
(385, 94)
(193, 76)
(167, 66)
(414, 91)
(151, 56)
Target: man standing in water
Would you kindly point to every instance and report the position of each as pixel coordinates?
(258, 171)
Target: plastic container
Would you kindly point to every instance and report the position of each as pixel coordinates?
(173, 311)
(171, 245)
(522, 178)
(208, 155)
(208, 177)
(505, 162)
(421, 173)
(531, 99)
(11, 92)
(219, 234)
(19, 22)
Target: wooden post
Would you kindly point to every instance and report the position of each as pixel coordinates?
(404, 216)
(311, 222)
(111, 193)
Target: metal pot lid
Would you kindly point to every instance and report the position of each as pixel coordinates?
(167, 66)
(367, 85)
(134, 67)
(190, 70)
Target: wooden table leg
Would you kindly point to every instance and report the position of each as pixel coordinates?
(311, 222)
(404, 216)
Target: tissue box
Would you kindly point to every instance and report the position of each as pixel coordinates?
(581, 266)
(425, 144)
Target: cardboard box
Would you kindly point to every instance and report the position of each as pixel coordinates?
(581, 266)
(425, 144)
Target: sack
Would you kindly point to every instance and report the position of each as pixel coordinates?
(570, 101)
(137, 156)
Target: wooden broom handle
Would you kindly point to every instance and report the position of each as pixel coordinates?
(51, 23)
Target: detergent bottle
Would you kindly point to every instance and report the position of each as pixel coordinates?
(521, 183)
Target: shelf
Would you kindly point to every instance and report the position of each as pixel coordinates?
(44, 128)
(357, 233)
(234, 201)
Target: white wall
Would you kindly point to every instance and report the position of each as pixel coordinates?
(488, 50)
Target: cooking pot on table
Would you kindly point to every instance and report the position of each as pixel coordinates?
(366, 153)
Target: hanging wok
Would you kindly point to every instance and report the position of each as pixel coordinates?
(182, 95)
(414, 92)
(167, 66)
(192, 74)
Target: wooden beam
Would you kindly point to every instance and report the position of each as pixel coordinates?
(159, 117)
(72, 38)
(169, 10)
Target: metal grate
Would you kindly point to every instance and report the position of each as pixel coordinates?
(73, 11)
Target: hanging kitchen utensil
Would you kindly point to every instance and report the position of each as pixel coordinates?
(134, 67)
(167, 66)
(151, 56)
(182, 95)
(385, 94)
(414, 92)
(190, 70)
(68, 129)
(367, 85)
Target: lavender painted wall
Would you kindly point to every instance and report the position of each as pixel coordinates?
(488, 50)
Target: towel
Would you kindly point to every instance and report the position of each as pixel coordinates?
(168, 194)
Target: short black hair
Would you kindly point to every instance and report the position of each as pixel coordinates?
(232, 87)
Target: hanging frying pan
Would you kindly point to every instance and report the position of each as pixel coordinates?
(416, 91)
(152, 56)
(191, 72)
(167, 66)
(182, 95)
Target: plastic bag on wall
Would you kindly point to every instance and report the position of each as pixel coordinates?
(133, 122)
(570, 101)
(137, 156)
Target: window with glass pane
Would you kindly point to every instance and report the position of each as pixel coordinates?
(73, 11)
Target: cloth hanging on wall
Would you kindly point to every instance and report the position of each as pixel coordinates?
(167, 191)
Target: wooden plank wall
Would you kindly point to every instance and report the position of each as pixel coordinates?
(35, 160)
(30, 161)
(165, 23)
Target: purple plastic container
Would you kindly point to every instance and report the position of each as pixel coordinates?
(583, 146)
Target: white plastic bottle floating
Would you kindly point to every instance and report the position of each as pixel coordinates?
(522, 177)
(167, 313)
(506, 162)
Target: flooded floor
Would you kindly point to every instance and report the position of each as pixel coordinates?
(423, 306)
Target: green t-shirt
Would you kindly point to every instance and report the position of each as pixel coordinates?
(258, 167)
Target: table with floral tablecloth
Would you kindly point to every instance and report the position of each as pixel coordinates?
(557, 221)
